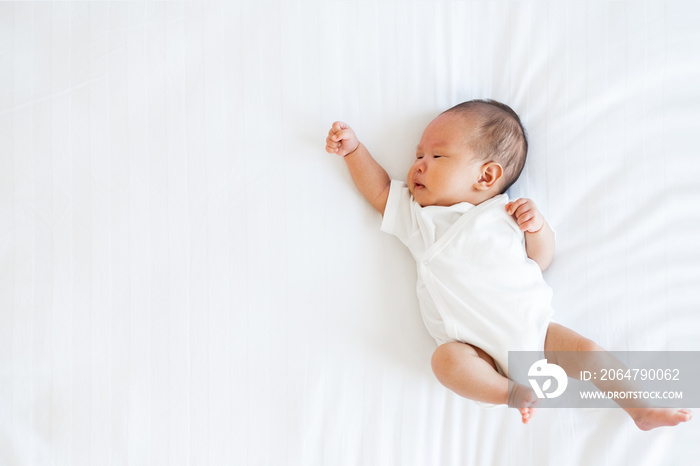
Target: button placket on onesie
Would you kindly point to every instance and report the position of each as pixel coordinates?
(432, 252)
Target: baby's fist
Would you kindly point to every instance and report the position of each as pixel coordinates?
(525, 213)
(341, 139)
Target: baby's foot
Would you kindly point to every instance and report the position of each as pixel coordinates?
(525, 400)
(650, 418)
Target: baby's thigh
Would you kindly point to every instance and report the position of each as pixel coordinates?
(560, 338)
(456, 351)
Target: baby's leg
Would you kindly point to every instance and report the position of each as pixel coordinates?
(586, 355)
(470, 372)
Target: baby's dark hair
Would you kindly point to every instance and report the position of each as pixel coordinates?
(499, 136)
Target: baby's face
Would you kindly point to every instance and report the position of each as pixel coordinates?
(445, 169)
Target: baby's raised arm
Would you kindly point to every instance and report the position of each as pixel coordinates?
(539, 237)
(369, 177)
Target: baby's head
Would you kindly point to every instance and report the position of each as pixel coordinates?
(469, 153)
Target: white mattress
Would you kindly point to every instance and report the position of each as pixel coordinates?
(186, 277)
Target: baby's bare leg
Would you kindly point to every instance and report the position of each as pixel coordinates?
(586, 355)
(471, 373)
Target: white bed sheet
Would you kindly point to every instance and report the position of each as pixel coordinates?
(186, 277)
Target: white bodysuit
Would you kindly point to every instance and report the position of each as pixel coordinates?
(475, 283)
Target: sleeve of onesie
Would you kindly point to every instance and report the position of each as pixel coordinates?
(399, 214)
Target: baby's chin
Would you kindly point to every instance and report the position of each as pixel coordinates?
(431, 199)
(419, 198)
(423, 202)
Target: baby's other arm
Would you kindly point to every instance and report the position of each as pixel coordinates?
(369, 177)
(539, 237)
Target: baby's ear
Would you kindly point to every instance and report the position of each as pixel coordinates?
(489, 175)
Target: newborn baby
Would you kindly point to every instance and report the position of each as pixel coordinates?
(479, 257)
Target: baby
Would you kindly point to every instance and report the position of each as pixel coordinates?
(480, 258)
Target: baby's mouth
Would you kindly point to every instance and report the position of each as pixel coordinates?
(417, 185)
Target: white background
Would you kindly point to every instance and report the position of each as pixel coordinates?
(186, 277)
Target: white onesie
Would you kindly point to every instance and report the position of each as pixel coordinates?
(475, 282)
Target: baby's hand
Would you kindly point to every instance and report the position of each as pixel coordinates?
(525, 213)
(341, 139)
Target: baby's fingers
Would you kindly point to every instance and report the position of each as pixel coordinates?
(341, 135)
(341, 139)
(339, 130)
(530, 221)
(524, 218)
(511, 207)
(332, 146)
(331, 149)
(530, 225)
(338, 126)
